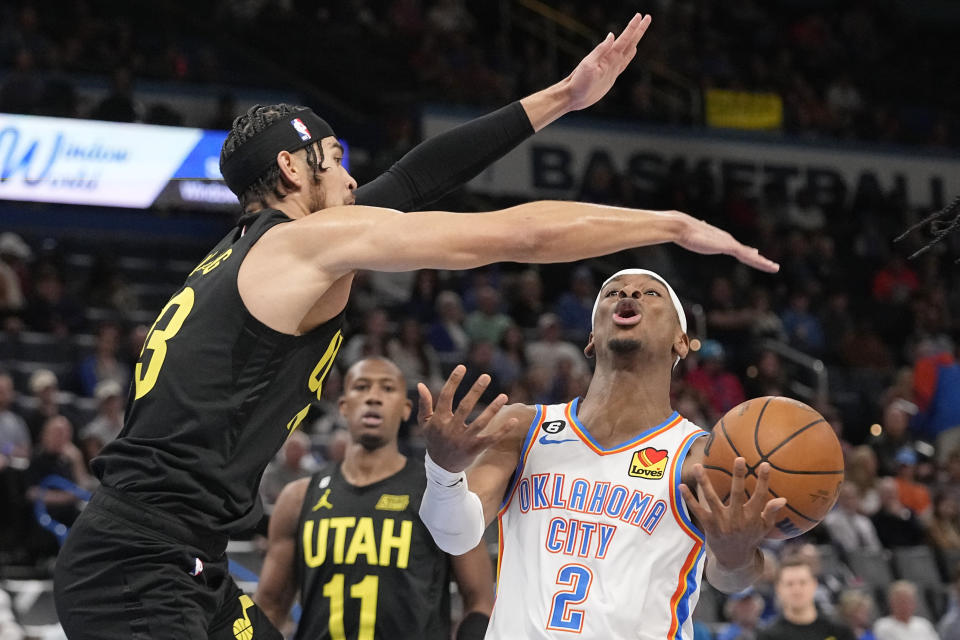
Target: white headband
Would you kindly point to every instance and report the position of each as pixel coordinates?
(644, 272)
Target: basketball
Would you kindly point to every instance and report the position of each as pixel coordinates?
(806, 462)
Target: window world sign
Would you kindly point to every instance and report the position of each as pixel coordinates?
(111, 164)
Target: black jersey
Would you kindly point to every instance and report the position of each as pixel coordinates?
(367, 565)
(214, 396)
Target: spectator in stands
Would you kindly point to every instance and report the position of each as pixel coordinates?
(108, 422)
(488, 322)
(766, 324)
(949, 478)
(550, 347)
(46, 401)
(944, 525)
(373, 340)
(104, 363)
(513, 356)
(949, 626)
(423, 298)
(803, 328)
(837, 322)
(913, 495)
(902, 624)
(11, 293)
(829, 583)
(337, 443)
(58, 456)
(895, 282)
(896, 525)
(743, 610)
(894, 435)
(575, 306)
(855, 609)
(292, 462)
(766, 377)
(799, 619)
(446, 334)
(848, 528)
(526, 303)
(15, 440)
(721, 388)
(119, 105)
(862, 473)
(415, 358)
(49, 308)
(482, 356)
(728, 321)
(937, 388)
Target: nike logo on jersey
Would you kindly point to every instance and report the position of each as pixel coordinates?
(543, 440)
(323, 501)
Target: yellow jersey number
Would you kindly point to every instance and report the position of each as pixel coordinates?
(366, 592)
(156, 343)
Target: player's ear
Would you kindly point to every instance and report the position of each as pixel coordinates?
(342, 405)
(590, 350)
(681, 345)
(290, 173)
(407, 409)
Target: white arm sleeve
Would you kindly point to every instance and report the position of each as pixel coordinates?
(452, 513)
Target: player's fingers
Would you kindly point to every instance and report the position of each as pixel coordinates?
(761, 492)
(771, 510)
(426, 403)
(470, 400)
(445, 399)
(736, 485)
(631, 34)
(752, 257)
(706, 488)
(487, 414)
(699, 512)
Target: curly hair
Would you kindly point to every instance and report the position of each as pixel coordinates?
(254, 121)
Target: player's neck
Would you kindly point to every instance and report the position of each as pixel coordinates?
(805, 615)
(362, 467)
(621, 403)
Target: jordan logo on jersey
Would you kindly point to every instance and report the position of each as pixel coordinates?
(648, 463)
(323, 502)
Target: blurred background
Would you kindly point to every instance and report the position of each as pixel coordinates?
(816, 130)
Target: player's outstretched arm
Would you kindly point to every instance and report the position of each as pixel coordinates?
(735, 529)
(453, 513)
(341, 240)
(278, 587)
(473, 572)
(446, 161)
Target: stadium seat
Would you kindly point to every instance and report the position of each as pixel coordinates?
(918, 565)
(873, 567)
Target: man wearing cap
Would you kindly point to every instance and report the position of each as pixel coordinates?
(600, 533)
(238, 357)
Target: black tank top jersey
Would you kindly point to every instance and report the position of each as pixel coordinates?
(367, 562)
(215, 394)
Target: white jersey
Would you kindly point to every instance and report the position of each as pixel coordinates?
(594, 541)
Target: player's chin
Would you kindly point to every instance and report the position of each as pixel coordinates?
(372, 441)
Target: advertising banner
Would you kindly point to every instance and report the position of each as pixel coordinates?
(553, 163)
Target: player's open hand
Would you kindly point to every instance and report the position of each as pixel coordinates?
(597, 72)
(705, 238)
(734, 529)
(451, 442)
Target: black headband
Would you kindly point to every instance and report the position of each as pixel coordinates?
(251, 159)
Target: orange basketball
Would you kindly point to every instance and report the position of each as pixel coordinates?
(803, 451)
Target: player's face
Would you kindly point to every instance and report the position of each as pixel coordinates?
(374, 403)
(796, 587)
(636, 314)
(334, 186)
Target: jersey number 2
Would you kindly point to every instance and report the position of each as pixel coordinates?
(156, 343)
(562, 616)
(366, 592)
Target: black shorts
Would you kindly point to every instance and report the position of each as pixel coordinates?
(127, 572)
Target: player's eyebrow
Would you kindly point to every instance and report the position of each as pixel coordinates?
(337, 147)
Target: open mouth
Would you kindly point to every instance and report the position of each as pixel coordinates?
(371, 419)
(627, 313)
